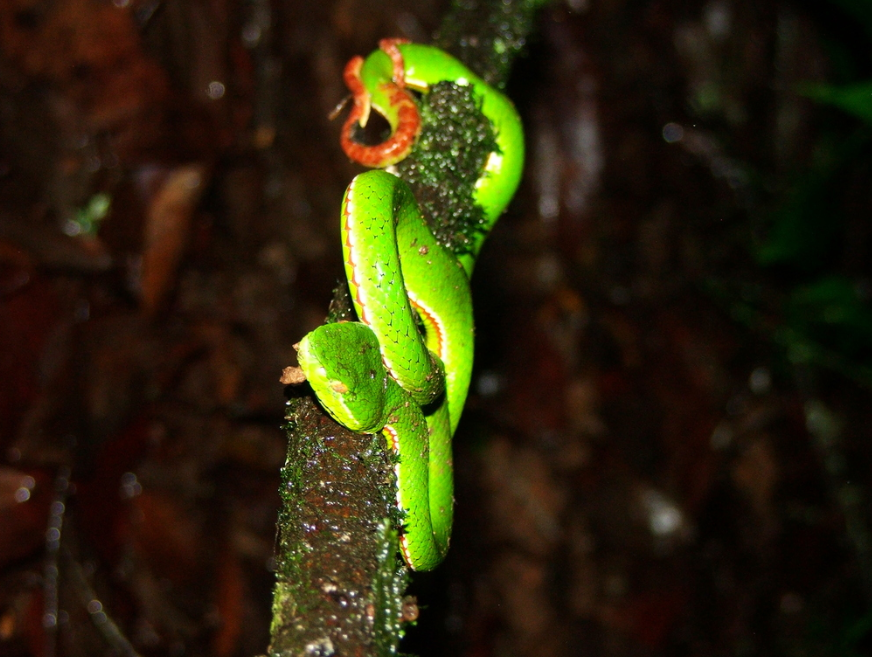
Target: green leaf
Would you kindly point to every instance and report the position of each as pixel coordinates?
(833, 312)
(855, 99)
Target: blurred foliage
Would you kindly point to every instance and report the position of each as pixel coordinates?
(832, 311)
(854, 99)
(86, 220)
(827, 319)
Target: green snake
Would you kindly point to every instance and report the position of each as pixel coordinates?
(383, 373)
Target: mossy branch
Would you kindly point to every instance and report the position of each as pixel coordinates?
(340, 582)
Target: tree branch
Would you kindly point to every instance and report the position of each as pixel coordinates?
(340, 582)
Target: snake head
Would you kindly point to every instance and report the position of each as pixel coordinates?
(344, 367)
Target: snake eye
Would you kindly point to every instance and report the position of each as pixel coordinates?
(338, 387)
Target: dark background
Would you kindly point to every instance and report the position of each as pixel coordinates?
(666, 451)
